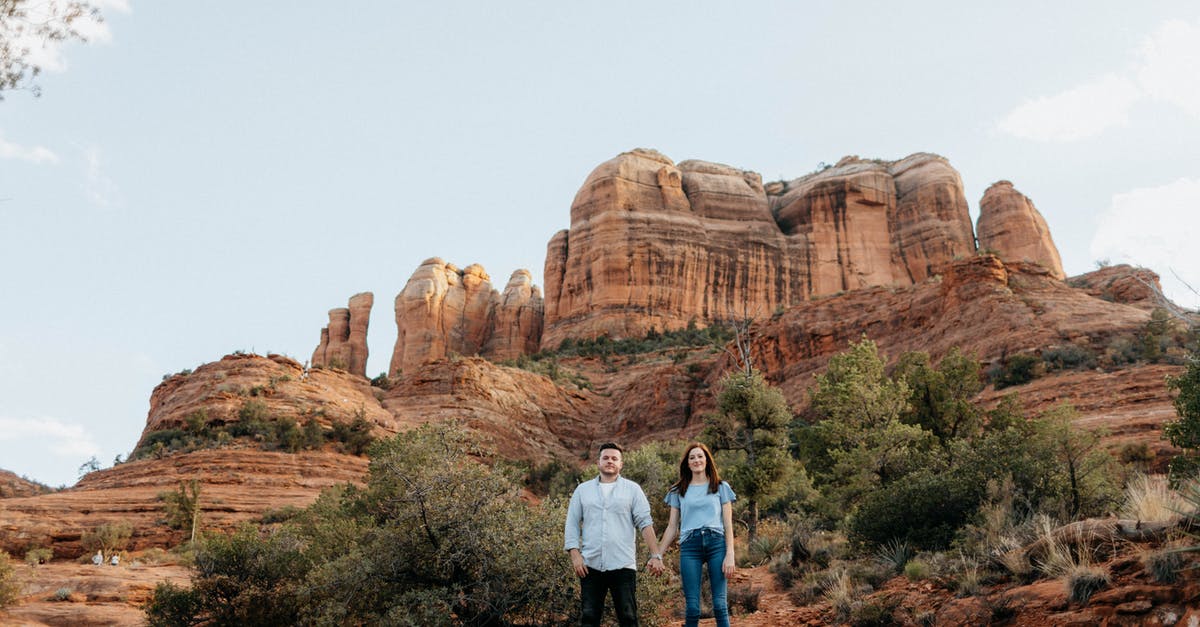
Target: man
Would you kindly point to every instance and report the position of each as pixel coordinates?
(600, 537)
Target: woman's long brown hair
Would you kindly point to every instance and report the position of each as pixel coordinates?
(685, 473)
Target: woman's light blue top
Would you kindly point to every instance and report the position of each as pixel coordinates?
(698, 509)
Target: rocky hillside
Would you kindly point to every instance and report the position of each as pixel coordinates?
(981, 304)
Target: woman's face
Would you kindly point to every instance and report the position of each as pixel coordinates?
(697, 460)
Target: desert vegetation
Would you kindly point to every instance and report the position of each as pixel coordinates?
(891, 472)
(257, 427)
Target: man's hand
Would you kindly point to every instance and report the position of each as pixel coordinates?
(581, 569)
(655, 566)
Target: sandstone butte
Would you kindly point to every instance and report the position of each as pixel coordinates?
(658, 245)
(922, 287)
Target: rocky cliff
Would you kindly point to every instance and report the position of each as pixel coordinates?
(653, 244)
(443, 310)
(344, 342)
(1011, 227)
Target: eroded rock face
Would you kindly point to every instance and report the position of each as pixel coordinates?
(1011, 227)
(517, 320)
(444, 310)
(655, 245)
(344, 341)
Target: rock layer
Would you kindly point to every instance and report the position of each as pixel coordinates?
(653, 244)
(443, 310)
(344, 341)
(1011, 227)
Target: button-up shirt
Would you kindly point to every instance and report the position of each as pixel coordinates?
(604, 529)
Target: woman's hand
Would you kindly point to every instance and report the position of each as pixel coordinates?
(730, 565)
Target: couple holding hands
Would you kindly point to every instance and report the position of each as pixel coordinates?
(605, 514)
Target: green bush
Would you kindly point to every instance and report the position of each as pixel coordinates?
(40, 555)
(1016, 370)
(107, 537)
(916, 570)
(9, 588)
(172, 606)
(429, 538)
(1069, 357)
(925, 510)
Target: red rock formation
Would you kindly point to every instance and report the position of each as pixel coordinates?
(1010, 226)
(236, 485)
(517, 320)
(443, 310)
(344, 341)
(1121, 284)
(11, 485)
(220, 389)
(652, 245)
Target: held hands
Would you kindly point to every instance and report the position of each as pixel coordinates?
(655, 566)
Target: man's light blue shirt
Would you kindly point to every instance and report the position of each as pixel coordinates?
(605, 530)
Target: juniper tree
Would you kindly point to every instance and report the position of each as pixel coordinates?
(752, 421)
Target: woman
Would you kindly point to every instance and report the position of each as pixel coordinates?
(702, 518)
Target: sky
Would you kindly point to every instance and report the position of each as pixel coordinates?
(203, 178)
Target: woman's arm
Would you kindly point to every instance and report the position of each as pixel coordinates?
(671, 531)
(730, 564)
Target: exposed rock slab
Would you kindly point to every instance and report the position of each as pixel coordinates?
(236, 485)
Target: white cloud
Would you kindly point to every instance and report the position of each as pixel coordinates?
(1170, 65)
(35, 155)
(1164, 69)
(1158, 228)
(1078, 113)
(101, 189)
(61, 438)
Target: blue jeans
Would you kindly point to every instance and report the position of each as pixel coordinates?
(595, 587)
(703, 546)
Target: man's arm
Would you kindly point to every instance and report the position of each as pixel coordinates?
(571, 534)
(641, 517)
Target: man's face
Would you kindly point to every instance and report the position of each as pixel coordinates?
(610, 463)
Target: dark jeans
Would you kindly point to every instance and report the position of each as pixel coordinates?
(594, 588)
(703, 546)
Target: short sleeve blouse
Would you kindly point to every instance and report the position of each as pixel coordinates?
(699, 509)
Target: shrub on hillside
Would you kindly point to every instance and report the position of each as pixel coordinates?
(9, 588)
(429, 540)
(1016, 370)
(39, 555)
(107, 537)
(925, 510)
